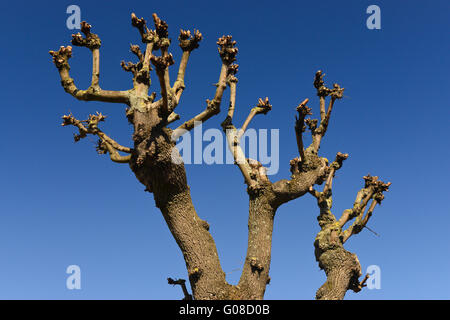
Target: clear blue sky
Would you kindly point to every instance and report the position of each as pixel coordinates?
(62, 204)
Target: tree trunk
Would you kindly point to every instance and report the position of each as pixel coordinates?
(154, 167)
(342, 269)
(255, 273)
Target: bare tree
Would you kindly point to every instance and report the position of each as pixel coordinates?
(155, 160)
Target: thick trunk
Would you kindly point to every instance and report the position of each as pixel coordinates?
(153, 165)
(255, 273)
(197, 245)
(342, 269)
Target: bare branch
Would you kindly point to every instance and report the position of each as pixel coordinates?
(129, 67)
(262, 107)
(151, 39)
(248, 169)
(182, 284)
(324, 199)
(373, 189)
(358, 286)
(232, 134)
(94, 92)
(93, 42)
(137, 51)
(134, 67)
(362, 198)
(161, 27)
(105, 144)
(227, 53)
(336, 93)
(232, 81)
(162, 65)
(323, 92)
(335, 165)
(314, 192)
(147, 56)
(147, 35)
(113, 154)
(300, 182)
(173, 117)
(302, 110)
(187, 43)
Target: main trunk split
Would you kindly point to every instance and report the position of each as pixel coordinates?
(167, 181)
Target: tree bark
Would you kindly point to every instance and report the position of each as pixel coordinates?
(155, 161)
(342, 269)
(255, 273)
(154, 167)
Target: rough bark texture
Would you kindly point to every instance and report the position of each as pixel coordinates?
(342, 267)
(157, 164)
(167, 181)
(255, 273)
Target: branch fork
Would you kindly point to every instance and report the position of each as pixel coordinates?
(91, 40)
(105, 143)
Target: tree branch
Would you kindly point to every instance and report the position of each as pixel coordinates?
(262, 107)
(113, 154)
(227, 53)
(232, 82)
(335, 165)
(323, 92)
(234, 136)
(147, 35)
(182, 284)
(360, 285)
(324, 198)
(187, 43)
(362, 198)
(141, 69)
(302, 110)
(173, 117)
(94, 92)
(342, 267)
(151, 39)
(255, 272)
(105, 143)
(162, 66)
(300, 182)
(373, 189)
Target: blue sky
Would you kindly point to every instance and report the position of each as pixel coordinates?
(62, 204)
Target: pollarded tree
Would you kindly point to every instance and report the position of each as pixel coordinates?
(155, 160)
